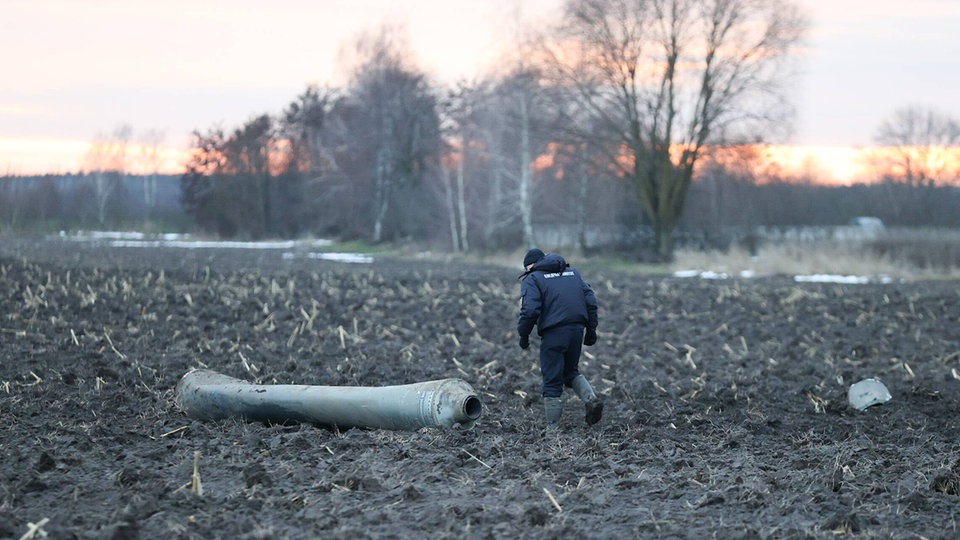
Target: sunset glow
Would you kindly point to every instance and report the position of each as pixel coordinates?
(29, 157)
(823, 164)
(40, 156)
(863, 60)
(828, 165)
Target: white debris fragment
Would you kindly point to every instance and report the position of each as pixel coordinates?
(867, 393)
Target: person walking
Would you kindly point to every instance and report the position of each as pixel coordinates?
(563, 307)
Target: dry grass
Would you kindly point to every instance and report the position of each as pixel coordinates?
(792, 259)
(908, 254)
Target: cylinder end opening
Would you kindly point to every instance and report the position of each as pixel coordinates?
(472, 407)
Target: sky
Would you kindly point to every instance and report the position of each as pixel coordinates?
(72, 72)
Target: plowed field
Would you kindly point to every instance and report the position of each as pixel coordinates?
(726, 403)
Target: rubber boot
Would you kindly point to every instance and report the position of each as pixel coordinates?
(553, 408)
(592, 404)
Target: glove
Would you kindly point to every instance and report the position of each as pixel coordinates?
(524, 342)
(590, 337)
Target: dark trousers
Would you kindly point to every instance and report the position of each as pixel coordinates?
(560, 358)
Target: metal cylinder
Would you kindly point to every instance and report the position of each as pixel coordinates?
(208, 395)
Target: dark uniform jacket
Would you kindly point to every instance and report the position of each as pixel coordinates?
(553, 294)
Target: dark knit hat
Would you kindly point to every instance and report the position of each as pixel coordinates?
(532, 256)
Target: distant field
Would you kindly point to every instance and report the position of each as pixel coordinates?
(909, 254)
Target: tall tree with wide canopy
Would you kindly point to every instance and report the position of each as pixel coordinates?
(654, 82)
(391, 124)
(306, 171)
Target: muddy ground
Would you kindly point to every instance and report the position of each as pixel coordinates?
(726, 403)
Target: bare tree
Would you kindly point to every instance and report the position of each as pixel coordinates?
(200, 185)
(251, 150)
(151, 157)
(308, 169)
(494, 128)
(443, 174)
(229, 183)
(107, 163)
(391, 120)
(459, 125)
(655, 81)
(920, 146)
(490, 124)
(520, 102)
(302, 126)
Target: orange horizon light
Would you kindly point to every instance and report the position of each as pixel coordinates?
(827, 165)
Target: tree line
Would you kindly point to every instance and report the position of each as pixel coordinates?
(721, 206)
(615, 105)
(604, 129)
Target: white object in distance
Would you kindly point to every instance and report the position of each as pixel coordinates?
(867, 393)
